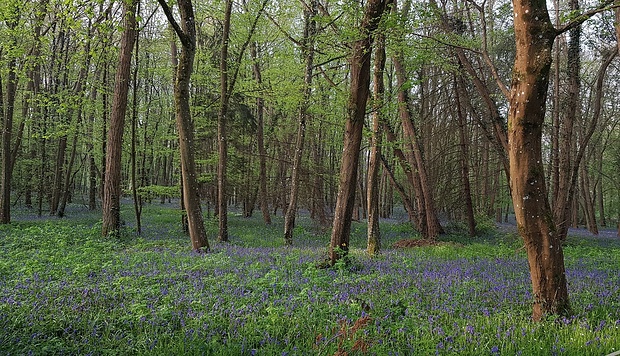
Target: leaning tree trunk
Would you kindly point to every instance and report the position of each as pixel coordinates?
(185, 125)
(112, 186)
(356, 111)
(534, 36)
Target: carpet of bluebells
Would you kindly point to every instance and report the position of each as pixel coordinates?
(66, 290)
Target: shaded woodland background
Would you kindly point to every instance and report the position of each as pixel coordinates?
(288, 68)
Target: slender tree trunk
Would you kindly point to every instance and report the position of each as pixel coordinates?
(222, 201)
(373, 245)
(137, 200)
(356, 110)
(462, 122)
(588, 201)
(534, 36)
(308, 52)
(112, 187)
(432, 226)
(260, 140)
(185, 125)
(566, 136)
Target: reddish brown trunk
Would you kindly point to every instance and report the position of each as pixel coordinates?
(356, 110)
(534, 36)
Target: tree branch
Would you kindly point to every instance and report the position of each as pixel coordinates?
(603, 6)
(175, 25)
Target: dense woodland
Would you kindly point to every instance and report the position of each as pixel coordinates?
(346, 110)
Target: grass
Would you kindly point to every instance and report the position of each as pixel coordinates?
(66, 290)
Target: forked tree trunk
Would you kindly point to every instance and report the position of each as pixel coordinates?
(185, 125)
(307, 49)
(356, 111)
(112, 186)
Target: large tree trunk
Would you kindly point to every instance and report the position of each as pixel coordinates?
(307, 49)
(356, 111)
(112, 186)
(185, 125)
(534, 36)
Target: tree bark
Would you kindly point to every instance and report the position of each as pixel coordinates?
(534, 35)
(464, 156)
(432, 228)
(112, 186)
(260, 139)
(222, 201)
(356, 110)
(373, 245)
(185, 125)
(566, 139)
(307, 48)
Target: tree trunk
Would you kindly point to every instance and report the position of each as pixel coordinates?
(112, 187)
(534, 36)
(356, 110)
(262, 152)
(464, 157)
(137, 200)
(8, 110)
(566, 137)
(307, 49)
(432, 228)
(185, 125)
(373, 245)
(222, 202)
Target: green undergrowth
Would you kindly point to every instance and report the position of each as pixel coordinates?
(66, 290)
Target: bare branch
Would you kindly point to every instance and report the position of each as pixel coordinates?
(485, 52)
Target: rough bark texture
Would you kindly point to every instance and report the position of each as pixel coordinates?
(356, 110)
(191, 198)
(534, 36)
(308, 52)
(112, 186)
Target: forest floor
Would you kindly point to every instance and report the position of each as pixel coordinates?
(66, 290)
